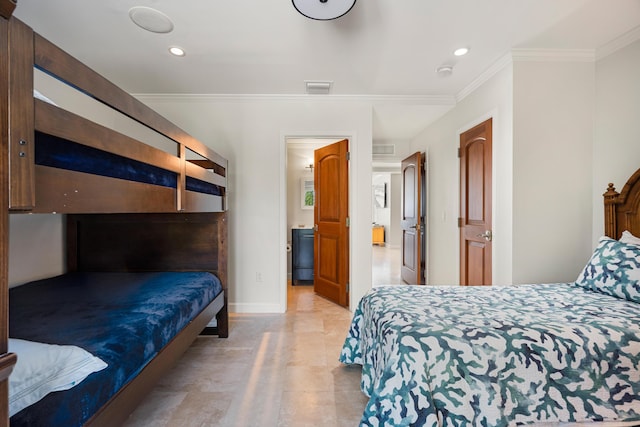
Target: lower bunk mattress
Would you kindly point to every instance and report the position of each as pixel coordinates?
(125, 319)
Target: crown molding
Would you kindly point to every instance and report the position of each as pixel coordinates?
(618, 43)
(538, 55)
(372, 99)
(517, 54)
(493, 69)
(553, 55)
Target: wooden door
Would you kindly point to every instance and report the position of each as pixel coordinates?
(331, 254)
(411, 220)
(475, 205)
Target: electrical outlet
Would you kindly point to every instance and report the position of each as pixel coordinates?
(258, 277)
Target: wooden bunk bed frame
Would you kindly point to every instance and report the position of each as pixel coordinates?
(149, 227)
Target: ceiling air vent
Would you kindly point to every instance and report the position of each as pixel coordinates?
(384, 149)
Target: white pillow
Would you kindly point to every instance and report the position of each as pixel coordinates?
(629, 238)
(44, 368)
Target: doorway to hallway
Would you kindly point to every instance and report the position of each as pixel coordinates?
(386, 265)
(386, 231)
(316, 193)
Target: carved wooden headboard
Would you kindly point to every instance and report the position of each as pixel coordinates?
(622, 210)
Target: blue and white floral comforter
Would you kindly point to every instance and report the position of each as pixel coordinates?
(495, 356)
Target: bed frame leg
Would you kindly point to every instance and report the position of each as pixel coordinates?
(222, 327)
(223, 322)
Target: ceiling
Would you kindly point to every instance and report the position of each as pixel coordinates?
(384, 51)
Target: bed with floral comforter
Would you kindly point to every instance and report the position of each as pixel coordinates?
(503, 355)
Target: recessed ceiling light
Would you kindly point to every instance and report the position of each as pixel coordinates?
(461, 51)
(177, 51)
(150, 19)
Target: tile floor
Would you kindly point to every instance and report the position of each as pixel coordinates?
(273, 370)
(386, 265)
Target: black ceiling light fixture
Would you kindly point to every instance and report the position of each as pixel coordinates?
(323, 10)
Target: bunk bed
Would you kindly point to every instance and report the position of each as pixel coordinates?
(146, 234)
(538, 354)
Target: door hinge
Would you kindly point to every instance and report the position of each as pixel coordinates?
(348, 155)
(459, 222)
(347, 286)
(348, 222)
(459, 153)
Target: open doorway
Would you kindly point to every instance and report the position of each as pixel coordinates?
(386, 232)
(304, 237)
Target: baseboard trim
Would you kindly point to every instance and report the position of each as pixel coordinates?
(252, 308)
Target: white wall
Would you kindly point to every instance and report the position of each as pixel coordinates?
(616, 153)
(45, 258)
(440, 141)
(297, 162)
(296, 172)
(395, 192)
(553, 107)
(382, 215)
(251, 133)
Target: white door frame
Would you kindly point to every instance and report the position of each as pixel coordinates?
(353, 209)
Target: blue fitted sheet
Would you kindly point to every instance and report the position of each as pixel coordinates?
(123, 318)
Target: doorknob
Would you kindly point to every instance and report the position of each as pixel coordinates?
(487, 235)
(416, 226)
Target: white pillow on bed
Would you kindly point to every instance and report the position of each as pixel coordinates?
(45, 368)
(629, 238)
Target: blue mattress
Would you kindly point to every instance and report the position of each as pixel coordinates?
(63, 154)
(123, 318)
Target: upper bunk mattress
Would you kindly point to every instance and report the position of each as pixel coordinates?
(123, 318)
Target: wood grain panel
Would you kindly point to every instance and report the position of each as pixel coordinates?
(7, 360)
(6, 8)
(475, 182)
(475, 220)
(413, 201)
(55, 121)
(208, 164)
(63, 191)
(622, 210)
(4, 186)
(408, 253)
(21, 137)
(331, 211)
(202, 174)
(145, 242)
(328, 248)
